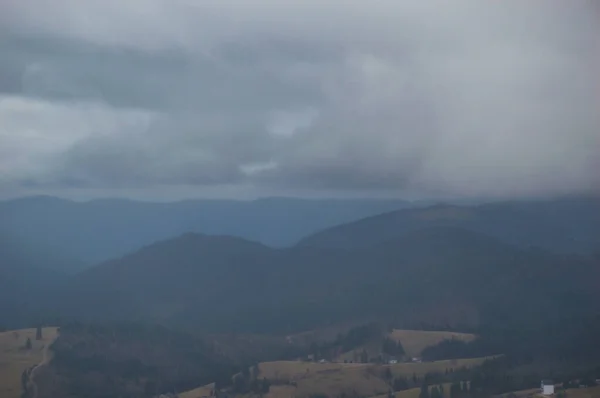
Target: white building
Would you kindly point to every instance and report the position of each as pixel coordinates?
(547, 387)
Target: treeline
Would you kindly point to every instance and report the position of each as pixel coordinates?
(457, 349)
(249, 381)
(392, 347)
(563, 349)
(131, 359)
(570, 338)
(345, 342)
(358, 336)
(505, 374)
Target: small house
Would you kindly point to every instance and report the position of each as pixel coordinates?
(547, 387)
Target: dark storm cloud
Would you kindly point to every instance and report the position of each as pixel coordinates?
(166, 80)
(198, 150)
(476, 98)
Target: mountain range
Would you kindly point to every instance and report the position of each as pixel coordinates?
(446, 265)
(86, 233)
(438, 276)
(563, 226)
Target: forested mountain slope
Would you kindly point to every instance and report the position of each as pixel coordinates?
(563, 226)
(438, 275)
(100, 230)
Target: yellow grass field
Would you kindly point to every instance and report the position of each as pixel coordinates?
(592, 392)
(407, 369)
(204, 391)
(413, 392)
(14, 359)
(521, 394)
(414, 341)
(335, 378)
(281, 392)
(294, 370)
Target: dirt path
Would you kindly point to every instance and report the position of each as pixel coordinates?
(45, 359)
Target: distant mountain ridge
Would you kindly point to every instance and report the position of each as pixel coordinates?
(563, 226)
(25, 274)
(442, 275)
(443, 263)
(99, 230)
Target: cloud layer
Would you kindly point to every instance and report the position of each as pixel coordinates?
(488, 99)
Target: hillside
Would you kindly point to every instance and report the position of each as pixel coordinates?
(100, 230)
(128, 359)
(360, 380)
(15, 358)
(25, 276)
(192, 274)
(564, 226)
(415, 341)
(229, 284)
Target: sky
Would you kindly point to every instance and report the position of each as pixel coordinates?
(244, 98)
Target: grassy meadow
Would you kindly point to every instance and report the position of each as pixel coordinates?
(14, 358)
(204, 391)
(336, 378)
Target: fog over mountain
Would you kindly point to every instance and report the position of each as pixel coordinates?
(299, 198)
(84, 233)
(165, 99)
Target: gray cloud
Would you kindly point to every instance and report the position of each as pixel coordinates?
(492, 99)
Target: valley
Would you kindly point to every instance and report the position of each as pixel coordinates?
(299, 199)
(378, 307)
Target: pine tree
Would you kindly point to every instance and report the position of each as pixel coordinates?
(455, 390)
(246, 371)
(364, 356)
(24, 378)
(255, 371)
(387, 347)
(266, 386)
(38, 333)
(387, 374)
(424, 391)
(400, 349)
(400, 384)
(239, 383)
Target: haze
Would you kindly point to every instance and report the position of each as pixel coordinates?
(299, 198)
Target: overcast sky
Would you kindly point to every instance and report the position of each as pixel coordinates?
(242, 98)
